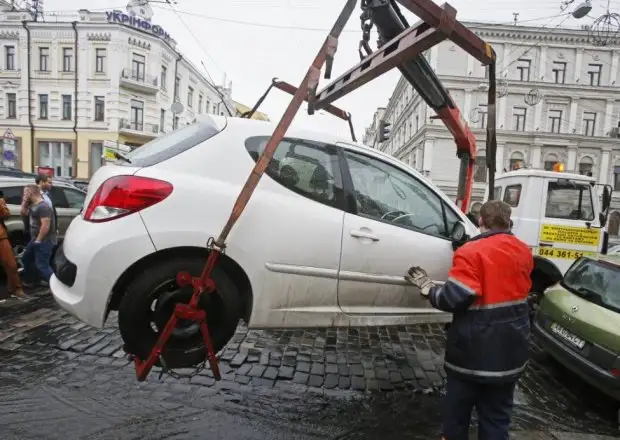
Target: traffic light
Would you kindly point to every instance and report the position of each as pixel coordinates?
(384, 130)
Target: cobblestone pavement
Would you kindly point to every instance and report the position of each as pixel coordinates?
(57, 376)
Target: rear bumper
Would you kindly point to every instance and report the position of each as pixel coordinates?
(92, 258)
(589, 372)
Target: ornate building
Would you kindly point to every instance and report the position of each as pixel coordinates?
(559, 101)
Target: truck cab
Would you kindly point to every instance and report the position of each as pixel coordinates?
(557, 214)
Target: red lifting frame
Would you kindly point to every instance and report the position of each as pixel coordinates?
(438, 24)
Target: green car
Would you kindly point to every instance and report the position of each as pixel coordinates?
(578, 321)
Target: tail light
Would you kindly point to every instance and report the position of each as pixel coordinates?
(123, 195)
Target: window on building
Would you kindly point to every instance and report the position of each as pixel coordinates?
(617, 178)
(66, 107)
(523, 69)
(516, 160)
(519, 114)
(137, 115)
(11, 100)
(417, 123)
(67, 59)
(9, 57)
(208, 106)
(177, 84)
(559, 72)
(175, 123)
(486, 71)
(44, 59)
(200, 103)
(214, 108)
(162, 120)
(550, 161)
(57, 155)
(594, 73)
(555, 120)
(586, 165)
(164, 77)
(43, 107)
(482, 116)
(99, 108)
(480, 167)
(96, 156)
(137, 67)
(100, 56)
(589, 123)
(190, 97)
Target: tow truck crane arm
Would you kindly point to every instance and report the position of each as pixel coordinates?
(403, 50)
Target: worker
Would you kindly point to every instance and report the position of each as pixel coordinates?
(487, 343)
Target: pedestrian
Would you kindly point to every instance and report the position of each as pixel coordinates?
(38, 253)
(7, 257)
(487, 343)
(24, 212)
(45, 184)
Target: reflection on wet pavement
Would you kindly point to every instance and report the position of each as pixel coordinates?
(62, 380)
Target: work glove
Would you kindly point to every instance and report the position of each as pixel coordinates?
(418, 277)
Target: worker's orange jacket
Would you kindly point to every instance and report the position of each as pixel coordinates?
(487, 292)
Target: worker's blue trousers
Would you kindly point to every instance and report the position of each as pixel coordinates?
(493, 403)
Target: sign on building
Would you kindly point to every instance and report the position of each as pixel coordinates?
(137, 23)
(9, 149)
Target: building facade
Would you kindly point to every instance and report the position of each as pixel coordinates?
(558, 101)
(67, 88)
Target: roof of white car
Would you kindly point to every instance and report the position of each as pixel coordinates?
(255, 127)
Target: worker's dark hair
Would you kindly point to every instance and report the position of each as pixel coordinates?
(495, 214)
(41, 178)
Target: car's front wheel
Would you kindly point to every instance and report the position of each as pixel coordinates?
(150, 299)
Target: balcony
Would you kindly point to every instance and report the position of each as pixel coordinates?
(139, 82)
(138, 129)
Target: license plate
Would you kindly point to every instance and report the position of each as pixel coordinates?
(567, 336)
(564, 254)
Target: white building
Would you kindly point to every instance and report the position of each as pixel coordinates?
(68, 85)
(561, 104)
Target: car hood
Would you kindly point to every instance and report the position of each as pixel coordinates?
(582, 317)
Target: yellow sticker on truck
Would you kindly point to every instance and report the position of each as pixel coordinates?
(570, 235)
(563, 254)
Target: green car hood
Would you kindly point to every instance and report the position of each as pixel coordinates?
(583, 318)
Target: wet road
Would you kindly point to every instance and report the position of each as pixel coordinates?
(62, 380)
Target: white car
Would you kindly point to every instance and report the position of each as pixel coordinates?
(325, 240)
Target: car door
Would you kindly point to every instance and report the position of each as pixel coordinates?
(397, 222)
(292, 227)
(63, 212)
(568, 208)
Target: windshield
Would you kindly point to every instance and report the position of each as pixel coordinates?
(570, 200)
(596, 281)
(169, 145)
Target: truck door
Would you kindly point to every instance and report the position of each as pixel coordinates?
(569, 225)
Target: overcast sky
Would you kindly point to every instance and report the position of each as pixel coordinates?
(252, 41)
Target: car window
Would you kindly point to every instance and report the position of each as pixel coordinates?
(385, 193)
(569, 200)
(497, 194)
(595, 281)
(75, 199)
(13, 194)
(512, 195)
(308, 168)
(58, 197)
(169, 145)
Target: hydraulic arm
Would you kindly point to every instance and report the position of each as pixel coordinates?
(401, 47)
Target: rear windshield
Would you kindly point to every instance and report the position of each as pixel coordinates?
(169, 145)
(596, 281)
(569, 200)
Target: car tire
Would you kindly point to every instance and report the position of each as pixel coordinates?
(149, 301)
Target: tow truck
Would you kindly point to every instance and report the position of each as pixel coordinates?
(400, 46)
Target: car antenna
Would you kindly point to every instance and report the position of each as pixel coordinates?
(221, 95)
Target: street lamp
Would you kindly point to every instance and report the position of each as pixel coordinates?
(583, 9)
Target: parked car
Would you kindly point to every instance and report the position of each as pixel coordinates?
(16, 172)
(325, 241)
(578, 321)
(67, 199)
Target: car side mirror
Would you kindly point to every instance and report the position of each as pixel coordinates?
(458, 235)
(606, 198)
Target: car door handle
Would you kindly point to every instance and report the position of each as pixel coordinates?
(363, 234)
